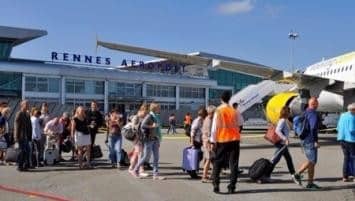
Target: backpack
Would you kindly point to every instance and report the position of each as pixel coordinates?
(301, 126)
(129, 132)
(145, 133)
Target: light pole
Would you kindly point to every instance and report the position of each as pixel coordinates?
(292, 36)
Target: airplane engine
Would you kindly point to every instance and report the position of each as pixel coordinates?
(275, 104)
(328, 102)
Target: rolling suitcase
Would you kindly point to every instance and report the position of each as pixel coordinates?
(190, 159)
(263, 166)
(51, 156)
(11, 155)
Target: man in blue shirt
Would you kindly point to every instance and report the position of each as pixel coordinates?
(310, 143)
(346, 136)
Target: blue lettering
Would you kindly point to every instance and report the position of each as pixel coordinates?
(98, 60)
(65, 57)
(107, 61)
(124, 62)
(133, 63)
(76, 57)
(54, 56)
(141, 64)
(88, 59)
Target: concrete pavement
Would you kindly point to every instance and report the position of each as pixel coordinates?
(66, 182)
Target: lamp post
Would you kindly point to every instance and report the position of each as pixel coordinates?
(292, 36)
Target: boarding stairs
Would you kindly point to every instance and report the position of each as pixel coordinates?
(255, 93)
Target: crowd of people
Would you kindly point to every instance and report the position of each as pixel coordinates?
(216, 131)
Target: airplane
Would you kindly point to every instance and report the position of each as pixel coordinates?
(331, 80)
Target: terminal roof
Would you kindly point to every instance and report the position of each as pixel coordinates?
(19, 35)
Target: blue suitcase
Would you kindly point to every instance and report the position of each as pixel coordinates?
(190, 159)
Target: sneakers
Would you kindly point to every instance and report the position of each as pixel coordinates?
(297, 178)
(143, 174)
(312, 186)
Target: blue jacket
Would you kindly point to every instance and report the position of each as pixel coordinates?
(346, 127)
(313, 119)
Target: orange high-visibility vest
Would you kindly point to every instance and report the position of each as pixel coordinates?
(188, 120)
(227, 129)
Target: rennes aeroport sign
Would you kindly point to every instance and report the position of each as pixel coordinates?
(78, 58)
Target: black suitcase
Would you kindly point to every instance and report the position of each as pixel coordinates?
(263, 166)
(12, 155)
(96, 152)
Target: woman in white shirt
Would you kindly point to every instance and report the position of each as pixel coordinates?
(283, 130)
(36, 135)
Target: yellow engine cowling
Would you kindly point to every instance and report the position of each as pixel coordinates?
(275, 104)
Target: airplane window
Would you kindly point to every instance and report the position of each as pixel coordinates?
(351, 66)
(342, 69)
(338, 70)
(346, 68)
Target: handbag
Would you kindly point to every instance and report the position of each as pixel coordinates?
(271, 135)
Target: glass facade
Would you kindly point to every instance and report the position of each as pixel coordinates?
(5, 50)
(191, 92)
(237, 80)
(42, 84)
(84, 86)
(216, 93)
(161, 91)
(10, 83)
(122, 89)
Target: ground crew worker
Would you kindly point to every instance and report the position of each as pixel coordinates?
(187, 123)
(225, 138)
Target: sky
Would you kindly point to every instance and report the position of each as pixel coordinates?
(253, 30)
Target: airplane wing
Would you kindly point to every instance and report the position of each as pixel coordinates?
(314, 83)
(245, 68)
(302, 80)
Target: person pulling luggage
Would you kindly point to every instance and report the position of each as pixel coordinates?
(282, 130)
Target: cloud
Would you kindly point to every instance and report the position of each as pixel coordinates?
(236, 7)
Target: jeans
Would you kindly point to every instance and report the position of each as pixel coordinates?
(115, 146)
(171, 127)
(286, 154)
(23, 160)
(151, 146)
(349, 159)
(223, 150)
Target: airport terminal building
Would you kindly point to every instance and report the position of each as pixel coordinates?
(73, 79)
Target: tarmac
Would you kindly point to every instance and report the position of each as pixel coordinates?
(65, 182)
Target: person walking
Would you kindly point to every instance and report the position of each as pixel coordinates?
(172, 124)
(206, 145)
(23, 136)
(44, 119)
(95, 120)
(150, 131)
(137, 142)
(115, 138)
(346, 136)
(187, 123)
(225, 141)
(310, 144)
(80, 132)
(36, 137)
(283, 130)
(5, 137)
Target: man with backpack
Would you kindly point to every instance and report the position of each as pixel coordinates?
(309, 142)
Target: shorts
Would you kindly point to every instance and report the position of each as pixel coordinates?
(310, 151)
(82, 139)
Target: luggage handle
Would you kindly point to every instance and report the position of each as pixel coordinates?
(278, 153)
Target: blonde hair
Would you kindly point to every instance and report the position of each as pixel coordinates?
(210, 109)
(153, 107)
(5, 110)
